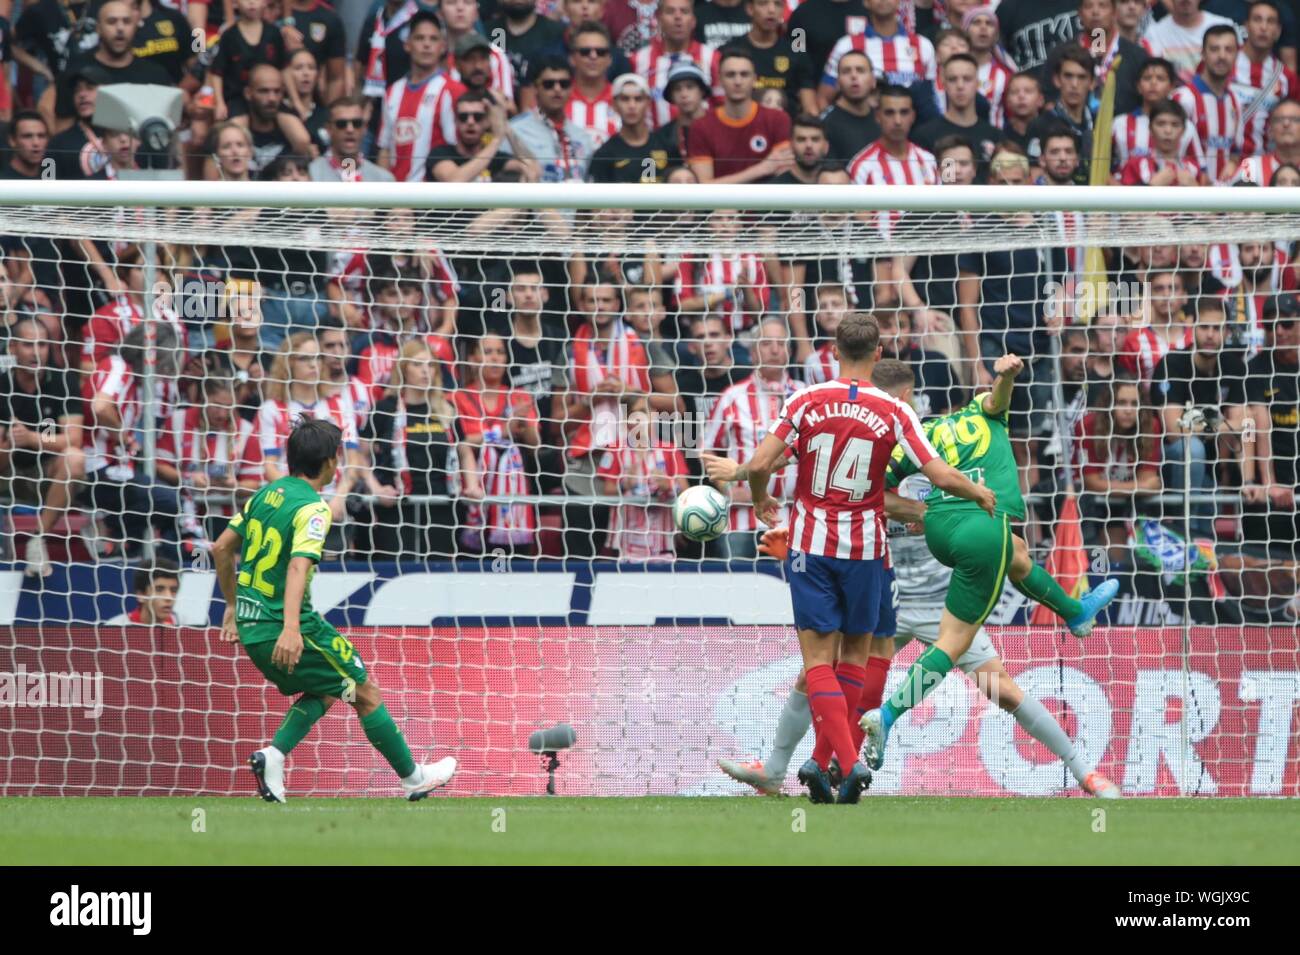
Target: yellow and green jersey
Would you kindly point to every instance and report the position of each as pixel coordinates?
(977, 445)
(285, 519)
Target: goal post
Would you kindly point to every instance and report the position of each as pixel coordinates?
(526, 374)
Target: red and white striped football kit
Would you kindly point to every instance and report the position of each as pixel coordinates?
(994, 78)
(642, 531)
(1260, 87)
(596, 116)
(188, 445)
(113, 321)
(744, 414)
(1131, 136)
(654, 64)
(719, 272)
(1257, 169)
(821, 365)
(875, 166)
(1217, 121)
(500, 461)
(843, 433)
(621, 356)
(903, 58)
(106, 448)
(275, 419)
(415, 120)
(1143, 347)
(1139, 169)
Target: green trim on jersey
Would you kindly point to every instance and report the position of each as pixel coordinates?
(289, 512)
(976, 444)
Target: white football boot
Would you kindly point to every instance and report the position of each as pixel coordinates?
(429, 777)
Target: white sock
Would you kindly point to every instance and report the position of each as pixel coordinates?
(1039, 724)
(416, 777)
(791, 727)
(273, 754)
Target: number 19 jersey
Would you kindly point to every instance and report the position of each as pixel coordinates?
(843, 433)
(285, 519)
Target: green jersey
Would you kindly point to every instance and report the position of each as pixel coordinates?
(977, 445)
(285, 519)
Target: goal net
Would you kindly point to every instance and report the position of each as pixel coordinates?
(526, 376)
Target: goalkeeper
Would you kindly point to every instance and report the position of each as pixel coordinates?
(279, 537)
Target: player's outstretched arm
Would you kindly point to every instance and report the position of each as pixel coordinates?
(903, 509)
(947, 478)
(997, 401)
(224, 553)
(758, 470)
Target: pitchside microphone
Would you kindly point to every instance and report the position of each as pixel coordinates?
(546, 743)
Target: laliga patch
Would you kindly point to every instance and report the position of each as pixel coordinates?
(316, 528)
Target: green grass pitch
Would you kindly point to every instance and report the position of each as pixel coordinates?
(741, 830)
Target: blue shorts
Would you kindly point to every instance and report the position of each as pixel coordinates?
(830, 594)
(887, 622)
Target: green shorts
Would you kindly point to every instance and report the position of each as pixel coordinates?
(978, 548)
(329, 666)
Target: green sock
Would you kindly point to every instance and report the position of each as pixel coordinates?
(387, 738)
(926, 673)
(302, 716)
(1042, 587)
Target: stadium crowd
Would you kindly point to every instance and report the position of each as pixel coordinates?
(481, 397)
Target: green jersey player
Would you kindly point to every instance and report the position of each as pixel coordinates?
(981, 550)
(278, 538)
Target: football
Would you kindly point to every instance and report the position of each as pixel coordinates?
(701, 513)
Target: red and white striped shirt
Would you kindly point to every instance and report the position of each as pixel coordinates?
(1131, 136)
(112, 321)
(1248, 81)
(621, 356)
(843, 433)
(415, 120)
(874, 166)
(500, 460)
(108, 449)
(1140, 169)
(821, 365)
(275, 419)
(189, 446)
(502, 73)
(994, 78)
(654, 64)
(721, 273)
(744, 414)
(642, 531)
(596, 116)
(375, 367)
(1257, 169)
(1143, 348)
(904, 58)
(1217, 120)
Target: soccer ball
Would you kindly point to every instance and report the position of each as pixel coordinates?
(701, 513)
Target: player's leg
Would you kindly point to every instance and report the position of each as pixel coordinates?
(996, 683)
(979, 550)
(1038, 585)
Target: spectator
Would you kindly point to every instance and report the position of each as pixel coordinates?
(160, 38)
(740, 141)
(48, 36)
(647, 472)
(293, 295)
(337, 386)
(821, 24)
(710, 367)
(1131, 18)
(209, 448)
(250, 40)
(248, 358)
(646, 314)
(314, 26)
(1261, 80)
(777, 62)
(498, 422)
(419, 109)
(1131, 133)
(832, 305)
(591, 101)
(893, 159)
(111, 322)
(1072, 76)
(29, 139)
(937, 389)
(273, 129)
(1250, 297)
(1211, 105)
(1206, 377)
(381, 55)
(343, 162)
(1060, 159)
(1179, 37)
(733, 284)
(809, 148)
(1100, 36)
(301, 76)
(1022, 105)
(78, 151)
(674, 47)
(126, 499)
(1269, 476)
(980, 23)
(230, 153)
(959, 118)
(1031, 28)
(743, 415)
(527, 38)
(478, 64)
(1165, 163)
(904, 58)
(1165, 328)
(40, 434)
(1284, 133)
(475, 153)
(687, 92)
(631, 155)
(720, 21)
(412, 432)
(849, 121)
(156, 588)
(561, 148)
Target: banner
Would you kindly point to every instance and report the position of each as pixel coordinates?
(654, 708)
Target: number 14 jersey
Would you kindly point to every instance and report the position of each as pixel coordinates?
(843, 433)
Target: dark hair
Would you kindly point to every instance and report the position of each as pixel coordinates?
(1219, 29)
(950, 142)
(592, 26)
(1271, 4)
(737, 52)
(1061, 131)
(1076, 55)
(1167, 107)
(858, 337)
(524, 267)
(313, 442)
(890, 373)
(549, 63)
(832, 165)
(346, 101)
(893, 90)
(26, 114)
(425, 16)
(1025, 75)
(330, 322)
(276, 167)
(474, 96)
(849, 53)
(1209, 303)
(1286, 165)
(962, 58)
(808, 121)
(25, 319)
(161, 569)
(1160, 63)
(166, 346)
(945, 32)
